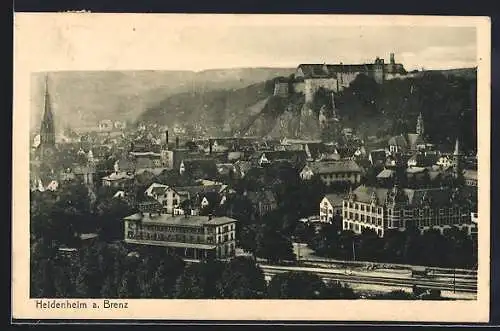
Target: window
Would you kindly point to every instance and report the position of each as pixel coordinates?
(350, 216)
(362, 207)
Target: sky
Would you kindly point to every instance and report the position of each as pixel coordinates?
(415, 47)
(198, 42)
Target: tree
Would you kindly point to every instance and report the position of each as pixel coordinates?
(129, 286)
(337, 290)
(296, 285)
(158, 272)
(273, 246)
(42, 269)
(242, 279)
(110, 213)
(199, 281)
(396, 295)
(247, 237)
(369, 245)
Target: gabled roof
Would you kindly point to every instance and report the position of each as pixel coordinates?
(335, 199)
(399, 141)
(364, 193)
(156, 189)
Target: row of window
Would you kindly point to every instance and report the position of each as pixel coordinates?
(363, 218)
(158, 236)
(363, 207)
(176, 229)
(340, 175)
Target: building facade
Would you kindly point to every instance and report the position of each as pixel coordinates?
(329, 207)
(309, 78)
(333, 172)
(382, 209)
(192, 237)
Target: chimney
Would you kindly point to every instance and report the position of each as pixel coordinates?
(176, 142)
(210, 142)
(166, 138)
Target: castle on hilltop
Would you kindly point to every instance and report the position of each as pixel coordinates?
(335, 77)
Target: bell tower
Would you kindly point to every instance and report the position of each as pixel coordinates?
(420, 125)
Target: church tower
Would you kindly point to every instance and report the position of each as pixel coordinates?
(420, 125)
(47, 130)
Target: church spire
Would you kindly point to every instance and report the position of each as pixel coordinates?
(47, 131)
(420, 125)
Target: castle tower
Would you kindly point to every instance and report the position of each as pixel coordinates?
(420, 125)
(392, 60)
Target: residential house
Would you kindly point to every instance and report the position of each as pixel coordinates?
(118, 179)
(191, 237)
(329, 207)
(332, 172)
(470, 177)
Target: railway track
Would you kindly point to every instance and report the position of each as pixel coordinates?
(459, 286)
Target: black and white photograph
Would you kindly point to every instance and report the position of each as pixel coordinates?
(274, 158)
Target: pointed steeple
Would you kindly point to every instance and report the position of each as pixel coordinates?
(47, 131)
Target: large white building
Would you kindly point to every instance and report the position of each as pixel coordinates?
(192, 237)
(383, 209)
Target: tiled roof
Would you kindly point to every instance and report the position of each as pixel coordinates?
(201, 189)
(327, 167)
(438, 196)
(186, 220)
